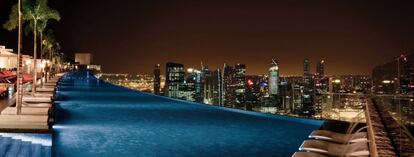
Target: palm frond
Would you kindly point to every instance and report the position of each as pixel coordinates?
(13, 21)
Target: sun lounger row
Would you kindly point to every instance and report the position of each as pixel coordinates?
(328, 143)
(331, 136)
(334, 149)
(35, 111)
(322, 143)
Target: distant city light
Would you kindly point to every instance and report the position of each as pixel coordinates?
(337, 81)
(250, 82)
(386, 81)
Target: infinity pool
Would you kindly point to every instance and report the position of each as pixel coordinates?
(96, 119)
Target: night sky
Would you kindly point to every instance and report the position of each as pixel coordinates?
(130, 36)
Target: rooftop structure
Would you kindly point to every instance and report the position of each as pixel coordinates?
(83, 58)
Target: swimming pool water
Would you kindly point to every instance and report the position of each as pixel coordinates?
(95, 118)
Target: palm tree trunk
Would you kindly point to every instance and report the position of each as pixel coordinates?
(19, 93)
(34, 57)
(41, 58)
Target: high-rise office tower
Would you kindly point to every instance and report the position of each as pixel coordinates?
(274, 78)
(240, 85)
(229, 90)
(307, 107)
(174, 78)
(320, 68)
(253, 93)
(206, 79)
(306, 67)
(194, 76)
(157, 79)
(212, 88)
(321, 87)
(188, 89)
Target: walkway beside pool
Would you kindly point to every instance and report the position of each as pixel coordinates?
(95, 118)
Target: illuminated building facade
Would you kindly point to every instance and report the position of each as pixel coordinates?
(213, 93)
(174, 78)
(83, 58)
(194, 77)
(274, 78)
(320, 68)
(321, 88)
(307, 107)
(253, 94)
(240, 85)
(229, 90)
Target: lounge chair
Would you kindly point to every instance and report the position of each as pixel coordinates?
(49, 84)
(28, 98)
(41, 94)
(26, 111)
(37, 105)
(307, 154)
(354, 149)
(44, 89)
(338, 137)
(24, 121)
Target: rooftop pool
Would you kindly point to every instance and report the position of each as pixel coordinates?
(98, 119)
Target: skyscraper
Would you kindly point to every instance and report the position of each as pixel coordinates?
(307, 107)
(306, 67)
(157, 79)
(174, 78)
(253, 94)
(240, 85)
(195, 77)
(212, 88)
(218, 95)
(320, 68)
(321, 84)
(188, 89)
(274, 78)
(229, 91)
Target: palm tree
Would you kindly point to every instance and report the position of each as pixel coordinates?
(15, 20)
(51, 46)
(35, 13)
(44, 39)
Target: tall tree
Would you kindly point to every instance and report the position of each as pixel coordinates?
(51, 47)
(15, 20)
(35, 13)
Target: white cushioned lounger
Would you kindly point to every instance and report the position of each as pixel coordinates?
(339, 137)
(25, 111)
(307, 154)
(354, 149)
